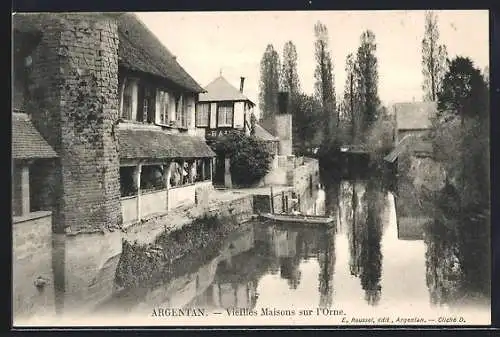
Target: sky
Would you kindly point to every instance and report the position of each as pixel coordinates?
(208, 43)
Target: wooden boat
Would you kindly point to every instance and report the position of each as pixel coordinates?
(300, 218)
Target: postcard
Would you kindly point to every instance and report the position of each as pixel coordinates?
(251, 168)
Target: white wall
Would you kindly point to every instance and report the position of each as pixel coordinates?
(213, 115)
(239, 115)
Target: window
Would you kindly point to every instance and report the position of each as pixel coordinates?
(181, 111)
(129, 103)
(163, 107)
(225, 115)
(147, 106)
(202, 114)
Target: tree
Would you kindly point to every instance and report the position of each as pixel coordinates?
(366, 75)
(433, 58)
(250, 157)
(464, 90)
(350, 113)
(461, 136)
(324, 87)
(269, 82)
(289, 76)
(307, 120)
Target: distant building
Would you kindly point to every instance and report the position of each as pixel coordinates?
(413, 125)
(223, 108)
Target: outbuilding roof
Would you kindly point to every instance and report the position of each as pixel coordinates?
(157, 144)
(27, 142)
(414, 115)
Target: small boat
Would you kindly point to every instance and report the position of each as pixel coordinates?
(299, 218)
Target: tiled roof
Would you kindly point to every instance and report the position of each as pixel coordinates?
(27, 142)
(157, 144)
(263, 134)
(139, 49)
(414, 115)
(412, 143)
(221, 90)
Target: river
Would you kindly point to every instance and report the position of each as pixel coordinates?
(383, 262)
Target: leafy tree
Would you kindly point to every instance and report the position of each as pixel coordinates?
(250, 157)
(461, 137)
(324, 87)
(433, 58)
(269, 82)
(464, 90)
(289, 76)
(307, 120)
(366, 74)
(351, 114)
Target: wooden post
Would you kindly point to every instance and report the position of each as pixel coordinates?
(272, 200)
(203, 175)
(25, 189)
(138, 170)
(283, 209)
(167, 169)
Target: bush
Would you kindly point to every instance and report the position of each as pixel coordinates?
(250, 157)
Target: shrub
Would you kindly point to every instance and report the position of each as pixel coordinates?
(250, 157)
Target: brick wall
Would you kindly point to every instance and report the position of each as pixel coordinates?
(74, 104)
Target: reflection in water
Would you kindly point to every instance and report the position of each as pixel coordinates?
(326, 261)
(457, 245)
(457, 258)
(265, 264)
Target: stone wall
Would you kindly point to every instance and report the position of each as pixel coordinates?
(74, 104)
(283, 130)
(32, 258)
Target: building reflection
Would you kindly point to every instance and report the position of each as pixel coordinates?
(457, 243)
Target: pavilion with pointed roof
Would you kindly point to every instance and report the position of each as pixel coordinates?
(223, 108)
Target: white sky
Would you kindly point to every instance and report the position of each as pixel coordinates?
(206, 42)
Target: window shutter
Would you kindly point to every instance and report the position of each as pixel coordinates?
(188, 112)
(140, 104)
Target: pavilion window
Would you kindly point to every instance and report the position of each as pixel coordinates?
(202, 113)
(225, 114)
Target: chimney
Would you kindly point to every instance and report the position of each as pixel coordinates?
(283, 102)
(242, 83)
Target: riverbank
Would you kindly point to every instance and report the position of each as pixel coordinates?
(79, 270)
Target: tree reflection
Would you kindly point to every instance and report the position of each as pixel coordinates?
(327, 269)
(457, 253)
(367, 203)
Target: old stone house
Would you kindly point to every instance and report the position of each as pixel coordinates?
(111, 105)
(412, 128)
